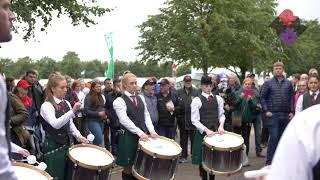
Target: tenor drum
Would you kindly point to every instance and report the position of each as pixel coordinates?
(156, 159)
(222, 154)
(89, 162)
(28, 172)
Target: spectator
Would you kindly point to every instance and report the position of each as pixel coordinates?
(311, 97)
(246, 104)
(313, 72)
(150, 98)
(112, 116)
(108, 86)
(167, 103)
(186, 128)
(304, 77)
(94, 109)
(10, 84)
(277, 98)
(302, 88)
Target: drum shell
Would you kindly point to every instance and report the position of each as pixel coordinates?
(81, 171)
(76, 172)
(151, 167)
(221, 162)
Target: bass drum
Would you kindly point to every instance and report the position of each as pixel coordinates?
(28, 172)
(222, 154)
(89, 162)
(156, 159)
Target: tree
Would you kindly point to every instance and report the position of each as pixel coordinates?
(46, 66)
(21, 66)
(29, 12)
(94, 68)
(71, 65)
(5, 67)
(204, 33)
(183, 69)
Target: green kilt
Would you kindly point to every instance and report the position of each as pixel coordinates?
(197, 148)
(55, 156)
(128, 144)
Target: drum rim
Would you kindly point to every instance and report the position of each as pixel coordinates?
(88, 166)
(162, 156)
(138, 176)
(47, 175)
(225, 149)
(210, 171)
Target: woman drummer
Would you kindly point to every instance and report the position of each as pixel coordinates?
(207, 115)
(57, 122)
(135, 122)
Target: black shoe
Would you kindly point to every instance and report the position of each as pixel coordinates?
(260, 155)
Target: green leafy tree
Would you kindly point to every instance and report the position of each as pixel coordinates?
(71, 65)
(94, 69)
(29, 12)
(46, 66)
(21, 66)
(6, 66)
(204, 33)
(183, 69)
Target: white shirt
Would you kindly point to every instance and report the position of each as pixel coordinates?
(6, 171)
(195, 114)
(48, 113)
(299, 106)
(120, 107)
(15, 148)
(299, 147)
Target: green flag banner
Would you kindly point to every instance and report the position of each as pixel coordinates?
(110, 71)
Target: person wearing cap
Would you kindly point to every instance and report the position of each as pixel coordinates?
(167, 103)
(207, 115)
(135, 123)
(149, 96)
(185, 96)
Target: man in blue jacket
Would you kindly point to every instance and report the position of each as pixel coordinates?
(277, 98)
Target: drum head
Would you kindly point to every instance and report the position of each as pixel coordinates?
(226, 141)
(29, 172)
(161, 146)
(90, 156)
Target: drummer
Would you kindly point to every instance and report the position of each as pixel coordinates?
(135, 122)
(57, 122)
(207, 115)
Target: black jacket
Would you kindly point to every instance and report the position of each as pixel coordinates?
(185, 99)
(111, 113)
(165, 117)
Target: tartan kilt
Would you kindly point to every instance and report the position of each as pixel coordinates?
(55, 156)
(127, 148)
(197, 148)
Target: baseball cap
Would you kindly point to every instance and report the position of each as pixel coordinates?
(187, 78)
(23, 83)
(164, 82)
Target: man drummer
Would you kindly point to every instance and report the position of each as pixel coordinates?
(207, 115)
(135, 122)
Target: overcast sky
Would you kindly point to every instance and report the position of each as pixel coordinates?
(89, 43)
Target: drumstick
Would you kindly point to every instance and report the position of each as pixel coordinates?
(256, 173)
